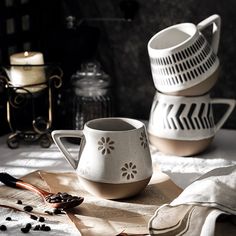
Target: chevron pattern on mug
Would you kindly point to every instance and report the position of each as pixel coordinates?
(185, 118)
(188, 116)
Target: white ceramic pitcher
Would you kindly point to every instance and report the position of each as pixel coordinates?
(114, 160)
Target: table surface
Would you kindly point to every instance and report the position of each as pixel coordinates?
(182, 170)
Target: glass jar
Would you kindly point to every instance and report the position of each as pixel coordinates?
(92, 94)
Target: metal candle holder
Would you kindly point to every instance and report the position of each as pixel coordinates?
(31, 126)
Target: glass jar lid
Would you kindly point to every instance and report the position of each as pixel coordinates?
(90, 76)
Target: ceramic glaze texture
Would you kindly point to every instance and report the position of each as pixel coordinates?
(186, 118)
(113, 150)
(115, 156)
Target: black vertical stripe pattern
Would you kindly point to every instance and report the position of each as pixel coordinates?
(185, 62)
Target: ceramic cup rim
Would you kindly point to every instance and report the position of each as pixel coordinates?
(90, 125)
(193, 32)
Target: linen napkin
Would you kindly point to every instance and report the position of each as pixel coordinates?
(206, 207)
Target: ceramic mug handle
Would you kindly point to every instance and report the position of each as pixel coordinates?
(214, 20)
(58, 134)
(231, 104)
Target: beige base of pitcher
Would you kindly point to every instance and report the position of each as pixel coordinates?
(180, 147)
(114, 191)
(200, 88)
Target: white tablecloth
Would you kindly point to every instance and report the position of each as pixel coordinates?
(182, 170)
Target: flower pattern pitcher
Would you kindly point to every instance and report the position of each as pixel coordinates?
(113, 152)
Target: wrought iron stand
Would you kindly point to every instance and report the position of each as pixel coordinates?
(30, 108)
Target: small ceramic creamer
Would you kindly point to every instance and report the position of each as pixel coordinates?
(114, 159)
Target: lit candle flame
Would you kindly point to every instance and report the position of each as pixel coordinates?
(26, 54)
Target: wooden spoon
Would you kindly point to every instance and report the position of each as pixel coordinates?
(55, 200)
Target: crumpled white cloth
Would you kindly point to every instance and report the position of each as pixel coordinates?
(217, 188)
(196, 210)
(185, 170)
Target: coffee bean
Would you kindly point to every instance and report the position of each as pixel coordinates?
(47, 228)
(57, 211)
(19, 202)
(49, 213)
(28, 208)
(61, 197)
(3, 227)
(33, 217)
(25, 230)
(48, 196)
(28, 226)
(41, 219)
(42, 227)
(52, 200)
(8, 218)
(53, 197)
(64, 194)
(37, 227)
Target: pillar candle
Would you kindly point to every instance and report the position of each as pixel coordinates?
(26, 75)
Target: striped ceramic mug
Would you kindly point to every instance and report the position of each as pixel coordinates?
(182, 118)
(182, 61)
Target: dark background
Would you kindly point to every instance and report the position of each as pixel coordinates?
(99, 32)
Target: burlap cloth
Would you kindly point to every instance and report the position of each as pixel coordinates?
(95, 216)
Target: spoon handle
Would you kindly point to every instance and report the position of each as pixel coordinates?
(18, 183)
(8, 179)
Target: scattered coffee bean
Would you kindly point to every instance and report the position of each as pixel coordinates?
(33, 217)
(8, 218)
(25, 230)
(28, 208)
(57, 211)
(28, 226)
(41, 219)
(42, 227)
(49, 213)
(3, 227)
(47, 228)
(37, 227)
(19, 202)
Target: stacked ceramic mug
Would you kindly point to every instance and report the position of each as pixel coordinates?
(184, 68)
